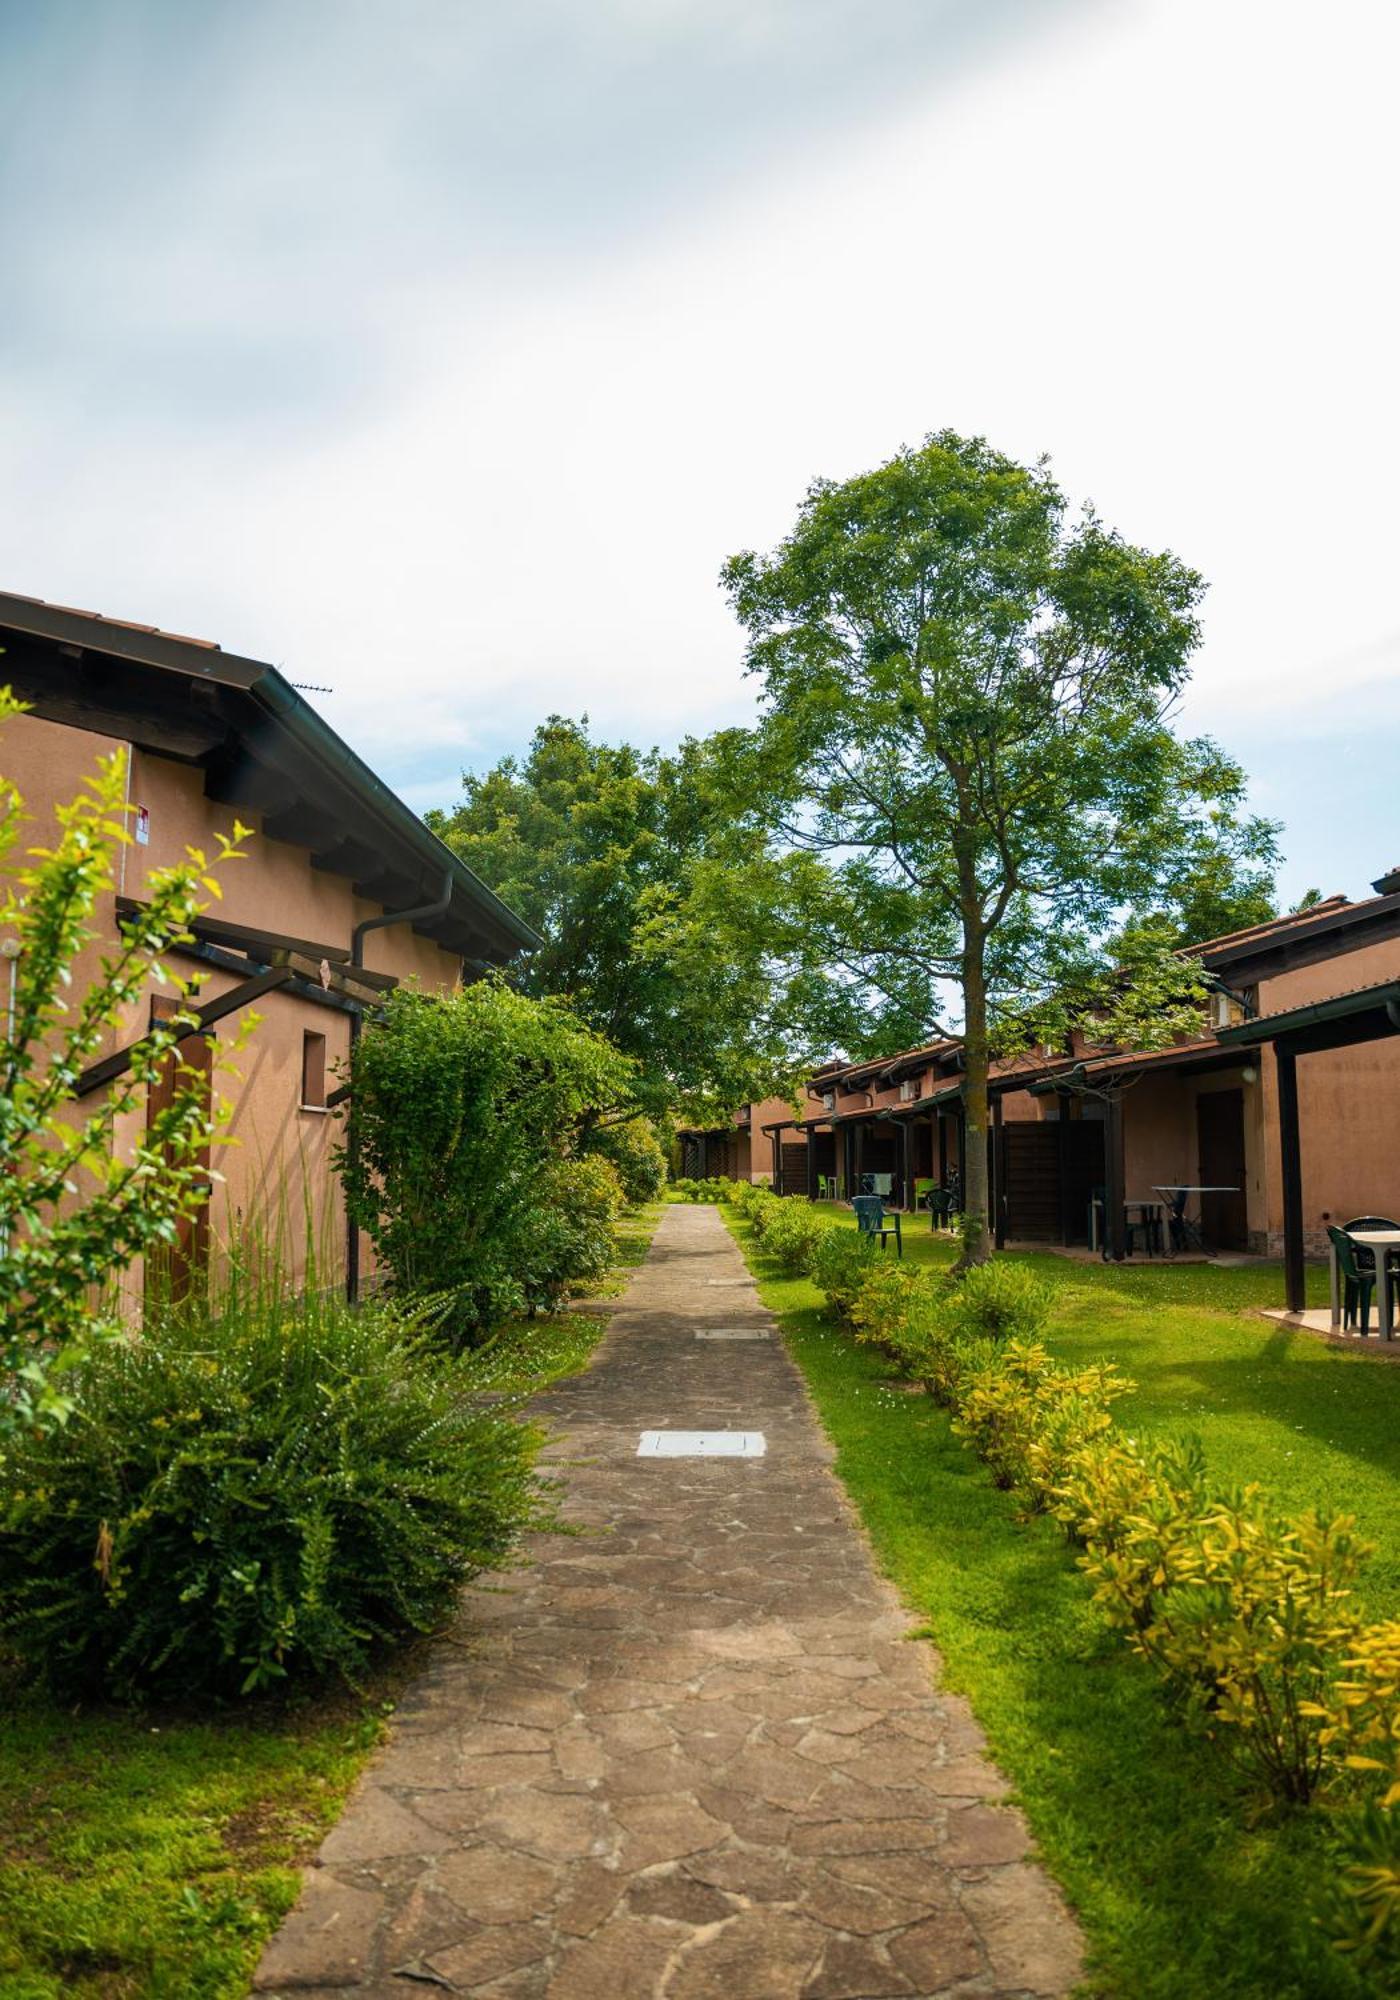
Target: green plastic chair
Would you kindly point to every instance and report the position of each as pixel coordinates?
(871, 1220)
(942, 1207)
(923, 1189)
(1357, 1285)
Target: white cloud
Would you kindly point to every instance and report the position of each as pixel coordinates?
(501, 466)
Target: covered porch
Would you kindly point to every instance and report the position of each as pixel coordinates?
(1345, 1021)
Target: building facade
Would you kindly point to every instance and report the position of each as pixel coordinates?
(1081, 1133)
(342, 894)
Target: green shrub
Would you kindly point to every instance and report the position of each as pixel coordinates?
(634, 1150)
(462, 1108)
(746, 1196)
(841, 1261)
(764, 1209)
(712, 1190)
(574, 1237)
(791, 1232)
(999, 1301)
(263, 1499)
(896, 1310)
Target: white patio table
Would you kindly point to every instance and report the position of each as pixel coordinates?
(1379, 1242)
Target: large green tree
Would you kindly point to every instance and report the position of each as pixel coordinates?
(601, 847)
(966, 745)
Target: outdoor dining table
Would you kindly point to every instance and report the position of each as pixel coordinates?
(1380, 1242)
(1191, 1236)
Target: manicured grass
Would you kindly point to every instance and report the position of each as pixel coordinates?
(148, 1856)
(151, 1854)
(1181, 1889)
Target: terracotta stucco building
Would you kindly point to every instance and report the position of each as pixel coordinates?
(300, 933)
(1071, 1124)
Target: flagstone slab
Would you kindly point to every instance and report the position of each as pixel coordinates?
(688, 1750)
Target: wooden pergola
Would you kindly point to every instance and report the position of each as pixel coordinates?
(1370, 1014)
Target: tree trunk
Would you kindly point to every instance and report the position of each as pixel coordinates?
(977, 1241)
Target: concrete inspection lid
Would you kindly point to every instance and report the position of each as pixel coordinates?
(732, 1333)
(702, 1444)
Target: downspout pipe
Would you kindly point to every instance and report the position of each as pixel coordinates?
(418, 914)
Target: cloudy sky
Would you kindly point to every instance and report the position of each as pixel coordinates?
(441, 350)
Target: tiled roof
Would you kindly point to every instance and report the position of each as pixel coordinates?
(1145, 1059)
(1290, 921)
(123, 624)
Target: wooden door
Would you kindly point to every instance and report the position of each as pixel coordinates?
(1220, 1133)
(1029, 1180)
(178, 1271)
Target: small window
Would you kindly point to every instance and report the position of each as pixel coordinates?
(910, 1089)
(828, 1100)
(313, 1071)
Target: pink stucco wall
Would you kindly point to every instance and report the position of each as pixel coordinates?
(276, 1175)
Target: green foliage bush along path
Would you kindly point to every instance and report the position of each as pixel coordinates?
(149, 1854)
(1178, 1894)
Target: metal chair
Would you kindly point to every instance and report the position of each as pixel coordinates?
(1357, 1284)
(871, 1220)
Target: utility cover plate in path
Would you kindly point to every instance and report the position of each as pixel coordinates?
(732, 1333)
(701, 1444)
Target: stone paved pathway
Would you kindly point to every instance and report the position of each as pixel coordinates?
(687, 1752)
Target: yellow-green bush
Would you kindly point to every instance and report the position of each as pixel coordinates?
(1254, 1623)
(1361, 1905)
(1026, 1415)
(1360, 1720)
(1137, 1511)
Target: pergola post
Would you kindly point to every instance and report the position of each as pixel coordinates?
(906, 1156)
(996, 1139)
(1291, 1163)
(811, 1139)
(1115, 1192)
(775, 1140)
(942, 1125)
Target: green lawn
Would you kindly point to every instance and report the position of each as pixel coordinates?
(1179, 1894)
(147, 1856)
